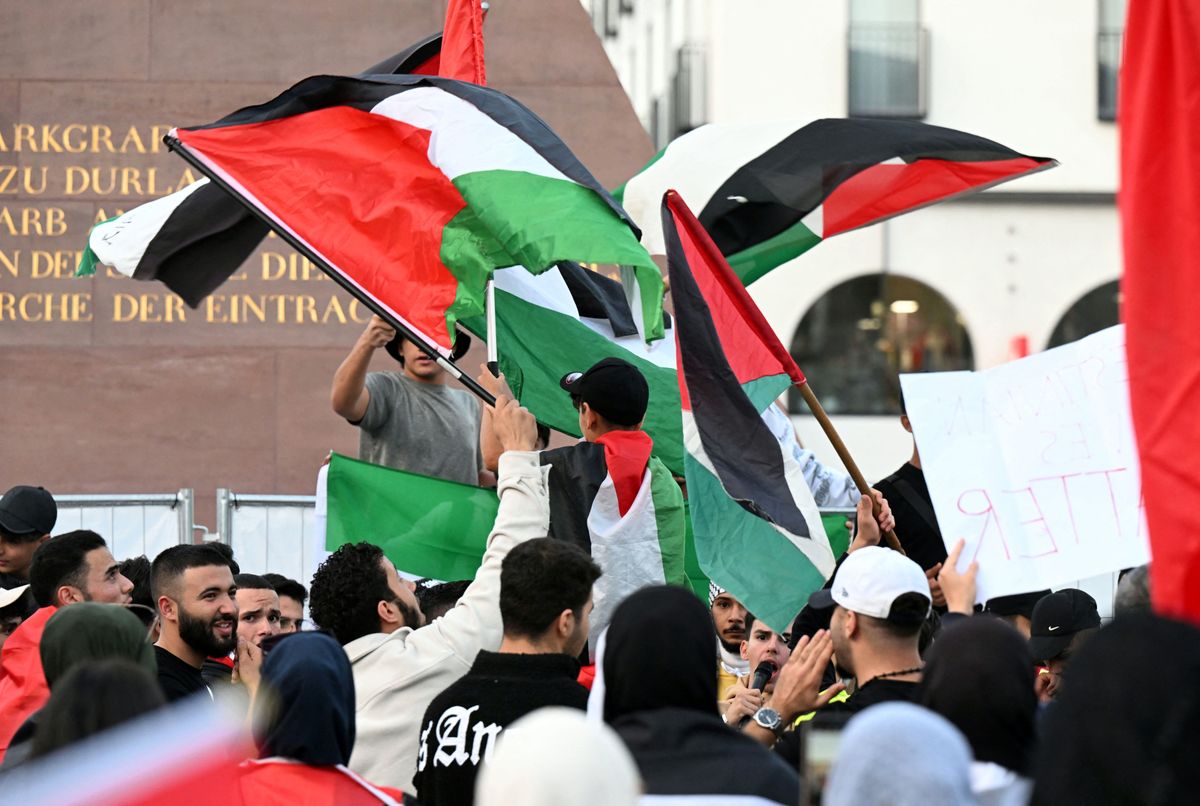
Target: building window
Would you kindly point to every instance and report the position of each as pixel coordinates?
(855, 340)
(1108, 56)
(1094, 311)
(888, 59)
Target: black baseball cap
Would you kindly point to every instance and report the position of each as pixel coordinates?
(1056, 620)
(462, 343)
(1017, 604)
(28, 510)
(615, 390)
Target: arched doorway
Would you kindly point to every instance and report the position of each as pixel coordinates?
(860, 334)
(1096, 310)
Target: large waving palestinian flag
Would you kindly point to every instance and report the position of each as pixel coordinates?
(566, 319)
(193, 240)
(612, 498)
(769, 192)
(413, 189)
(757, 530)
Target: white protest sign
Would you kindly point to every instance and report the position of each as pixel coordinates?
(1034, 464)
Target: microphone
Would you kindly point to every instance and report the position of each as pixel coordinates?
(762, 673)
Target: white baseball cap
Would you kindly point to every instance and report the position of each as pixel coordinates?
(10, 595)
(870, 580)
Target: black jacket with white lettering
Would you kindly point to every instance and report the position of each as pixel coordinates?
(461, 724)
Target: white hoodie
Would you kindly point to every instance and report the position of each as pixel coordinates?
(396, 675)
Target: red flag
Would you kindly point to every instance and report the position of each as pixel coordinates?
(462, 42)
(1159, 117)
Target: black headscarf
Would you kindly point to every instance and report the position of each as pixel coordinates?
(306, 706)
(979, 675)
(1126, 727)
(659, 653)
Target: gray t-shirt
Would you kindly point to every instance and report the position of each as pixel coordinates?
(421, 427)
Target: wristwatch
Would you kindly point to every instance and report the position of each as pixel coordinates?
(769, 719)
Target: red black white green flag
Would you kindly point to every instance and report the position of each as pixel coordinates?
(194, 240)
(414, 189)
(758, 532)
(770, 192)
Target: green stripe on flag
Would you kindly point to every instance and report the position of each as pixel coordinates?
(523, 219)
(669, 517)
(752, 263)
(426, 526)
(87, 258)
(749, 556)
(539, 345)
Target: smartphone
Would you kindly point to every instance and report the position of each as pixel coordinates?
(820, 741)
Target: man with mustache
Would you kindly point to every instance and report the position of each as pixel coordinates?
(194, 591)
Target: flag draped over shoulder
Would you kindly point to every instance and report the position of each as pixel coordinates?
(565, 320)
(413, 189)
(426, 526)
(612, 499)
(1159, 201)
(770, 192)
(196, 238)
(757, 530)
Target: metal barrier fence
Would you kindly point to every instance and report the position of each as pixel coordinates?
(132, 524)
(269, 532)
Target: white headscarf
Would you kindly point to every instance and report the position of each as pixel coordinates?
(900, 754)
(556, 757)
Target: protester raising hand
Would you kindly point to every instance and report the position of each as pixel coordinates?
(489, 445)
(514, 427)
(798, 687)
(958, 587)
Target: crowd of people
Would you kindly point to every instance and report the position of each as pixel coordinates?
(892, 686)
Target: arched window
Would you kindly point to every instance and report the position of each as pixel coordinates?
(855, 339)
(1091, 313)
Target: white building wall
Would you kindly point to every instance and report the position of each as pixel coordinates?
(1022, 73)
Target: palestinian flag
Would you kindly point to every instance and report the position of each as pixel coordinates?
(566, 319)
(413, 189)
(612, 498)
(426, 526)
(757, 529)
(767, 193)
(196, 238)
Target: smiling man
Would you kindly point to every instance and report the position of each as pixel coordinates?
(65, 570)
(258, 618)
(195, 593)
(409, 420)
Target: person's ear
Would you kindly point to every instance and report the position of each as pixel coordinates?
(388, 612)
(68, 595)
(904, 422)
(744, 650)
(587, 417)
(564, 625)
(166, 608)
(852, 624)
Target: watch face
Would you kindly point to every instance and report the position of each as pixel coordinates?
(768, 717)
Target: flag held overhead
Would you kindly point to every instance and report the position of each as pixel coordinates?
(414, 189)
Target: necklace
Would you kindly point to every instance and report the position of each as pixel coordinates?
(899, 673)
(853, 685)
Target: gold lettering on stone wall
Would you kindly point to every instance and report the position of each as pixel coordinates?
(57, 180)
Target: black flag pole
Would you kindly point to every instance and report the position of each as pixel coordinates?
(430, 350)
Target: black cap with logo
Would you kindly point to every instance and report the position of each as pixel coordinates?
(1056, 620)
(613, 388)
(28, 510)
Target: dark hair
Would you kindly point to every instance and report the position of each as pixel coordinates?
(347, 590)
(287, 587)
(170, 564)
(906, 619)
(252, 582)
(137, 571)
(540, 579)
(543, 434)
(91, 698)
(61, 561)
(437, 599)
(26, 537)
(226, 551)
